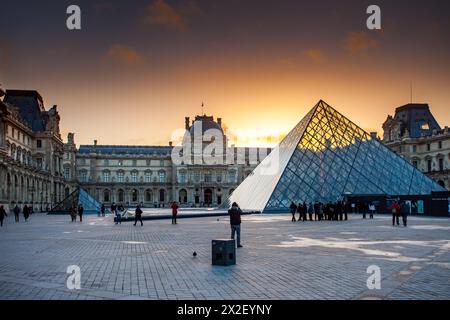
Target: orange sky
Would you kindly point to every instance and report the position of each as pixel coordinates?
(260, 66)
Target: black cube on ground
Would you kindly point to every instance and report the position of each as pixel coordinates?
(223, 252)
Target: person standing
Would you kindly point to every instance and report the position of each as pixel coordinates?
(138, 215)
(26, 212)
(80, 212)
(113, 209)
(395, 209)
(102, 210)
(174, 207)
(73, 213)
(16, 211)
(293, 209)
(405, 212)
(310, 211)
(372, 210)
(316, 211)
(118, 214)
(2, 215)
(304, 212)
(235, 222)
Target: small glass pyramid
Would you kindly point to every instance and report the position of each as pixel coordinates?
(325, 157)
(77, 198)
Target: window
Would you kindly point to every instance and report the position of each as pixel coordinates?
(219, 177)
(106, 162)
(425, 126)
(39, 143)
(428, 147)
(162, 177)
(120, 195)
(82, 162)
(120, 163)
(232, 177)
(161, 163)
(106, 196)
(134, 195)
(67, 173)
(120, 176)
(106, 176)
(441, 164)
(415, 163)
(414, 148)
(83, 176)
(134, 176)
(182, 177)
(148, 177)
(197, 176)
(134, 163)
(208, 177)
(148, 162)
(39, 163)
(429, 165)
(440, 144)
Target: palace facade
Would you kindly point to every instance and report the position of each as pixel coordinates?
(414, 133)
(147, 174)
(31, 151)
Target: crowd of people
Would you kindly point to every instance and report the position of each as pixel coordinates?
(319, 211)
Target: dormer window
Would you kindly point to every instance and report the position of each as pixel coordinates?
(425, 126)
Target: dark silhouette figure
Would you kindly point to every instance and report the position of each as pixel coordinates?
(138, 215)
(26, 212)
(194, 254)
(174, 207)
(316, 210)
(405, 212)
(310, 211)
(80, 212)
(2, 215)
(16, 211)
(102, 210)
(73, 213)
(293, 209)
(235, 222)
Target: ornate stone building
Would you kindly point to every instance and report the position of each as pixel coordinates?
(31, 151)
(148, 174)
(414, 133)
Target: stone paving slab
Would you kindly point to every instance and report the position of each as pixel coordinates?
(280, 259)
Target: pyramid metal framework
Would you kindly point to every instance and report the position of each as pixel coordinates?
(325, 157)
(77, 198)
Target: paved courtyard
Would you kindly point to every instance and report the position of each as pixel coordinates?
(280, 259)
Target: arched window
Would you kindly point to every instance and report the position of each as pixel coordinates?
(120, 176)
(106, 176)
(183, 196)
(134, 195)
(120, 195)
(148, 176)
(106, 196)
(134, 176)
(162, 195)
(148, 195)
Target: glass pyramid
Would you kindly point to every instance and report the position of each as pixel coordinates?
(325, 157)
(77, 198)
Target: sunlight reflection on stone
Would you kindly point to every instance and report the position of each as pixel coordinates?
(359, 245)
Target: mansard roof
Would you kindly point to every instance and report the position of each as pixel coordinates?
(417, 119)
(30, 105)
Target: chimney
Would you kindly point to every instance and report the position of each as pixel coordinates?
(219, 121)
(186, 123)
(373, 135)
(170, 143)
(95, 142)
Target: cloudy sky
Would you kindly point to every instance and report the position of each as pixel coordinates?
(138, 67)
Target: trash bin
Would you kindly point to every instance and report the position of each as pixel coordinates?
(223, 252)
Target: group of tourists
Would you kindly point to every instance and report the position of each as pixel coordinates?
(319, 211)
(400, 208)
(26, 210)
(76, 211)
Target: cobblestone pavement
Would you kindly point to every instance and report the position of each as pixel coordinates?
(280, 259)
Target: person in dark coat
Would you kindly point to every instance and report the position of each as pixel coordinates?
(174, 207)
(16, 211)
(26, 212)
(235, 222)
(405, 209)
(80, 212)
(293, 209)
(2, 215)
(138, 215)
(73, 213)
(103, 209)
(316, 211)
(310, 211)
(304, 212)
